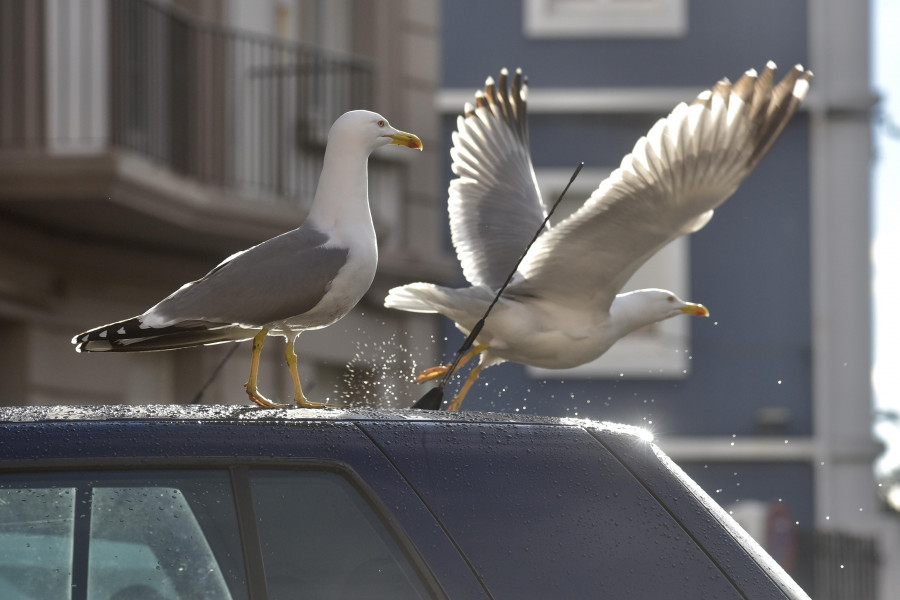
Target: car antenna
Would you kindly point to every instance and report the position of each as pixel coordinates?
(434, 397)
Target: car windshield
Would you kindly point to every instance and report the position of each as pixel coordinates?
(165, 535)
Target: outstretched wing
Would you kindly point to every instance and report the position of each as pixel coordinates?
(688, 164)
(494, 203)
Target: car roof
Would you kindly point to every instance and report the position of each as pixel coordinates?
(236, 414)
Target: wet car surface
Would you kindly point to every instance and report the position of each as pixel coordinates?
(235, 502)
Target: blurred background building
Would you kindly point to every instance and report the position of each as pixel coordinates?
(143, 141)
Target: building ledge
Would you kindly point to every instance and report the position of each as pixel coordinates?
(768, 449)
(121, 197)
(738, 448)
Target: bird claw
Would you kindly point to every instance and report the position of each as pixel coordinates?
(299, 401)
(432, 373)
(304, 403)
(262, 401)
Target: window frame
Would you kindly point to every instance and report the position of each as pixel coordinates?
(562, 19)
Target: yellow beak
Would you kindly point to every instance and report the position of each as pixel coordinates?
(405, 139)
(697, 310)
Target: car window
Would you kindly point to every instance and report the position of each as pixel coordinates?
(321, 539)
(36, 526)
(171, 535)
(142, 537)
(138, 535)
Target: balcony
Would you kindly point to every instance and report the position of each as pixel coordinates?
(137, 123)
(227, 108)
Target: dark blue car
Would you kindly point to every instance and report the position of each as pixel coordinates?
(162, 502)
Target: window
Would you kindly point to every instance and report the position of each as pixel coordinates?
(35, 523)
(178, 535)
(321, 539)
(658, 351)
(120, 535)
(605, 18)
(146, 542)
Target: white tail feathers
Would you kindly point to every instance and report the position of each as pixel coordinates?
(463, 305)
(415, 297)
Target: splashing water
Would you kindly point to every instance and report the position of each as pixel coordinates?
(380, 374)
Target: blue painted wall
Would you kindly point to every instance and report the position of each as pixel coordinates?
(723, 38)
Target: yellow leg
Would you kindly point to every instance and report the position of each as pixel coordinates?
(465, 388)
(299, 397)
(254, 394)
(439, 371)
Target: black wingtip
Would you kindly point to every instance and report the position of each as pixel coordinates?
(432, 399)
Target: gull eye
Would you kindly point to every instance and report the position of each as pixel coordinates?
(381, 123)
(670, 298)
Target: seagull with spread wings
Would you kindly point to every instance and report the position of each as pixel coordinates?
(563, 307)
(307, 278)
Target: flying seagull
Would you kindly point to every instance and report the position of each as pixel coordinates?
(563, 307)
(307, 278)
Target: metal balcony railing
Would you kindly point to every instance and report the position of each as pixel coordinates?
(228, 108)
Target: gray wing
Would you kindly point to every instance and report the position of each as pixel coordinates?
(280, 278)
(494, 203)
(688, 164)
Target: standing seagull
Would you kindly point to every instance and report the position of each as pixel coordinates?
(563, 307)
(307, 278)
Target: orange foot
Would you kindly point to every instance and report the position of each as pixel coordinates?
(261, 400)
(432, 373)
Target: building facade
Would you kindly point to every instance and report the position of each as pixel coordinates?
(142, 142)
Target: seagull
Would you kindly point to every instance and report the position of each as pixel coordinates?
(307, 278)
(563, 306)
